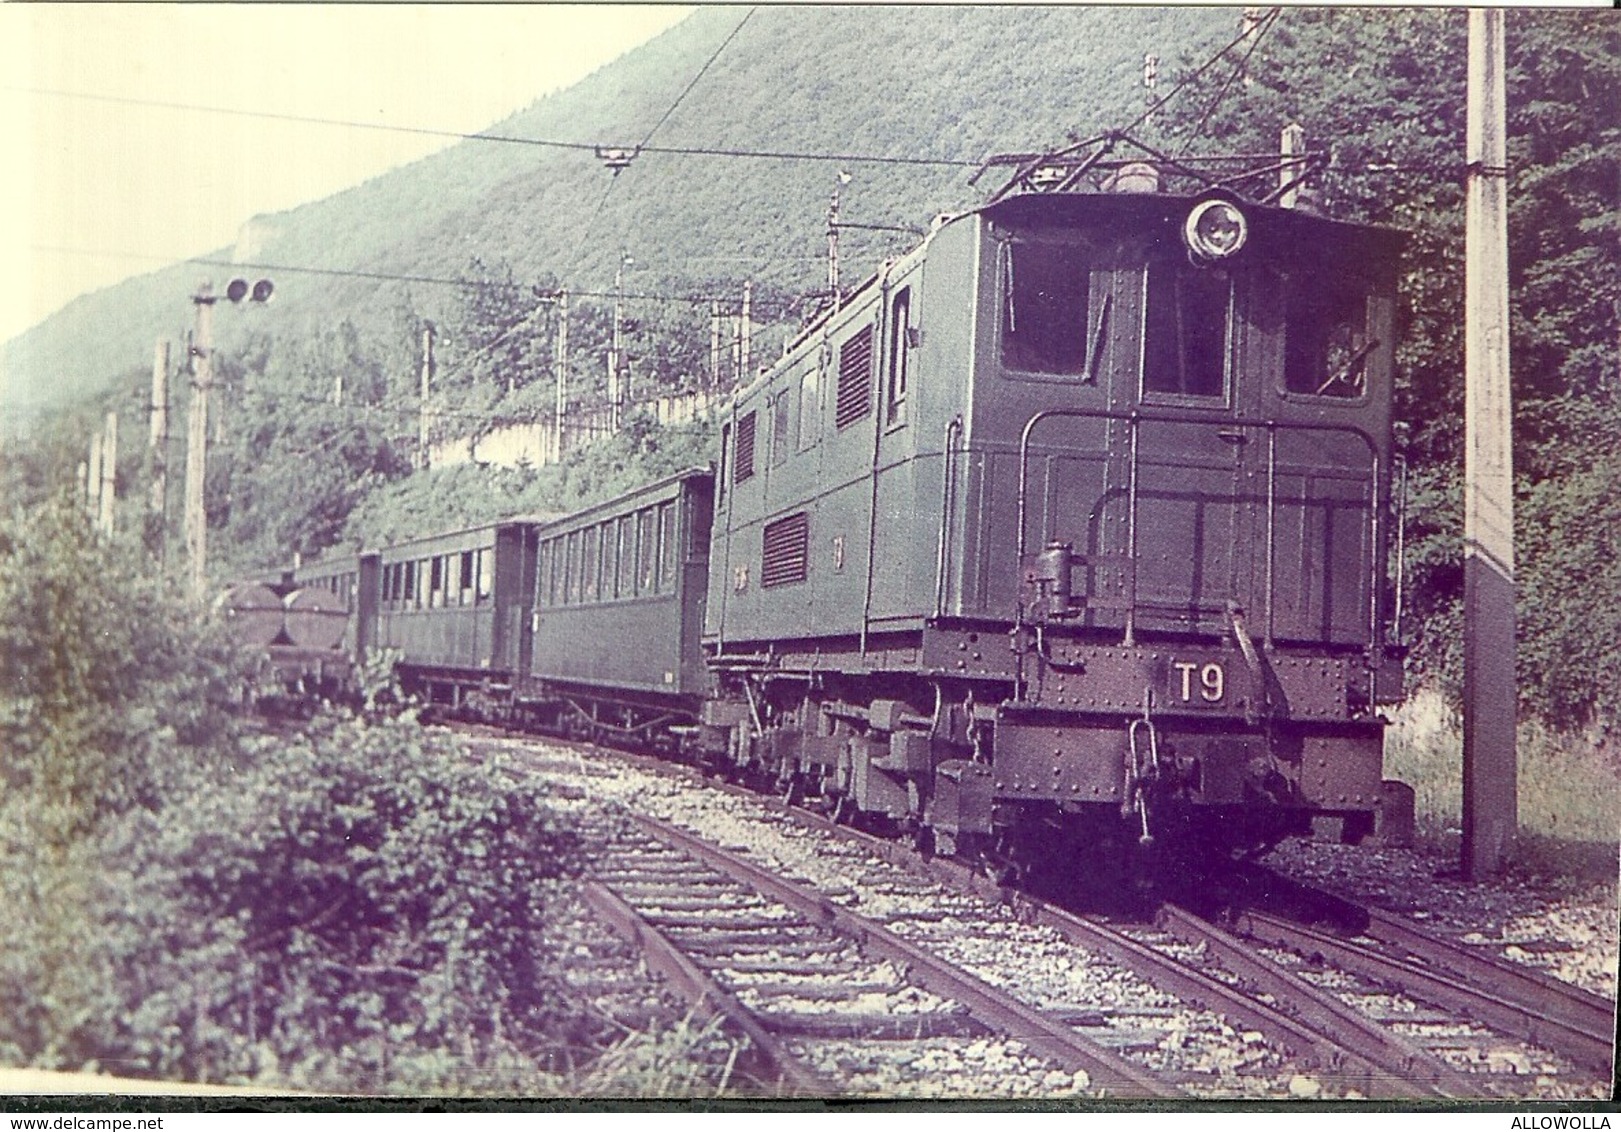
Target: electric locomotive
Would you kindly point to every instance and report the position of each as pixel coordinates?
(1074, 522)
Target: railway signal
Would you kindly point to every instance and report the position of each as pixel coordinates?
(239, 289)
(202, 382)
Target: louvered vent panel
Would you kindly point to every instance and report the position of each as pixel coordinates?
(745, 449)
(785, 551)
(855, 379)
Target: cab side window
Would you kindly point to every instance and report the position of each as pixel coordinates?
(1326, 338)
(1045, 296)
(900, 334)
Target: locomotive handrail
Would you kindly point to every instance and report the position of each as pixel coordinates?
(948, 452)
(1135, 418)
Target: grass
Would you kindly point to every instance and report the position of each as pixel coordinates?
(1569, 787)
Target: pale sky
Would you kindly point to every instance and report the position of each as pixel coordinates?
(88, 188)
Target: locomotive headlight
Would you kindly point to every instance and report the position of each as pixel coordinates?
(1215, 230)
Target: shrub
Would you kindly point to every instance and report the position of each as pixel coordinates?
(355, 908)
(108, 681)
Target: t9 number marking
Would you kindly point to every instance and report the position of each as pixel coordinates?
(1211, 684)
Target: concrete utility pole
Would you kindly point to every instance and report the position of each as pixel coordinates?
(746, 333)
(1490, 798)
(427, 378)
(158, 447)
(560, 365)
(92, 480)
(714, 345)
(616, 344)
(1291, 146)
(202, 381)
(833, 237)
(1150, 85)
(109, 474)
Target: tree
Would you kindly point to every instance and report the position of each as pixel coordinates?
(1385, 92)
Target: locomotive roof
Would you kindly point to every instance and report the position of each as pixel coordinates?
(1115, 211)
(1124, 208)
(471, 528)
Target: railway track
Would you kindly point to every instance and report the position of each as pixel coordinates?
(787, 965)
(1385, 954)
(1260, 1007)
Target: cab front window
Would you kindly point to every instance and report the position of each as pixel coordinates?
(1185, 331)
(1326, 340)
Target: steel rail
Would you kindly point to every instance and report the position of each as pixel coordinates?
(1318, 1047)
(995, 1008)
(763, 1058)
(1400, 1058)
(1529, 987)
(1314, 1044)
(1304, 905)
(1546, 1023)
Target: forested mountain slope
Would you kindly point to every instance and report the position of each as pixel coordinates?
(941, 82)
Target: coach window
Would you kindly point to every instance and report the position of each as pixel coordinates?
(667, 547)
(1185, 331)
(590, 569)
(721, 477)
(899, 350)
(1045, 290)
(602, 542)
(625, 542)
(782, 420)
(467, 577)
(743, 457)
(646, 550)
(571, 569)
(486, 570)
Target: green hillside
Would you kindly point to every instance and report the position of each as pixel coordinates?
(948, 82)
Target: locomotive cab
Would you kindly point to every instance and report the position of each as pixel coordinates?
(1179, 480)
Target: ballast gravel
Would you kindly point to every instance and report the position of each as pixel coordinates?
(1567, 929)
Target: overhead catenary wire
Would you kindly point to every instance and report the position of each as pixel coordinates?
(508, 139)
(1257, 33)
(702, 71)
(590, 223)
(545, 295)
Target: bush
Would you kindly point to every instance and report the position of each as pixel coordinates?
(1566, 781)
(355, 908)
(108, 681)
